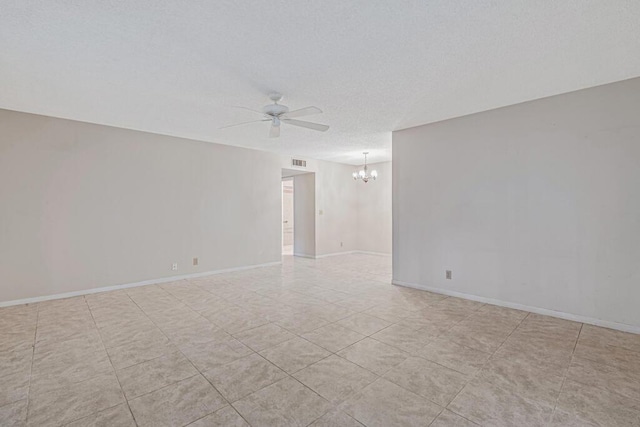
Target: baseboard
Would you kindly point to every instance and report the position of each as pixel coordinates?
(132, 285)
(304, 255)
(559, 314)
(372, 253)
(335, 254)
(341, 253)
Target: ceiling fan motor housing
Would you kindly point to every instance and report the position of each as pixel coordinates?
(275, 109)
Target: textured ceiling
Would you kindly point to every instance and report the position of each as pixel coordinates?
(174, 67)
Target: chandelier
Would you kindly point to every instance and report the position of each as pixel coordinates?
(363, 173)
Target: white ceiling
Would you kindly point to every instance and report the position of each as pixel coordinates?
(174, 67)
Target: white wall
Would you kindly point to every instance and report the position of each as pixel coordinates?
(374, 211)
(336, 209)
(85, 206)
(304, 200)
(536, 204)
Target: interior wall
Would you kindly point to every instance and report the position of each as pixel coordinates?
(86, 206)
(336, 209)
(536, 204)
(304, 220)
(374, 224)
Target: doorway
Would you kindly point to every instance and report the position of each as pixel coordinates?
(298, 213)
(287, 216)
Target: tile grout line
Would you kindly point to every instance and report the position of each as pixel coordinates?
(33, 356)
(566, 371)
(115, 374)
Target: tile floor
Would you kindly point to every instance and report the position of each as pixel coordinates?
(324, 342)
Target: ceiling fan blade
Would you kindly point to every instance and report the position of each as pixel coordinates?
(308, 125)
(244, 123)
(274, 132)
(248, 109)
(302, 112)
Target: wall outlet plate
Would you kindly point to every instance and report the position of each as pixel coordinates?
(448, 274)
(174, 266)
(195, 261)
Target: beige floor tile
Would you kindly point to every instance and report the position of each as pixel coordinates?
(225, 417)
(364, 323)
(12, 362)
(333, 337)
(300, 323)
(148, 376)
(152, 345)
(209, 355)
(16, 341)
(609, 355)
(54, 373)
(263, 337)
(623, 381)
(449, 419)
(202, 332)
(540, 353)
(373, 355)
(115, 336)
(478, 337)
(401, 337)
(118, 416)
(335, 418)
(295, 354)
(178, 404)
(14, 387)
(562, 418)
(383, 404)
(487, 404)
(244, 376)
(75, 401)
(454, 356)
(335, 378)
(427, 379)
(234, 320)
(594, 335)
(14, 414)
(83, 344)
(285, 403)
(598, 406)
(522, 378)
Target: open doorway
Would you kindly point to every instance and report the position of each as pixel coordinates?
(298, 213)
(287, 216)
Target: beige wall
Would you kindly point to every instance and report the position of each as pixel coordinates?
(536, 204)
(85, 206)
(374, 211)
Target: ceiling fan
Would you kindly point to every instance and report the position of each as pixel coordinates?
(278, 114)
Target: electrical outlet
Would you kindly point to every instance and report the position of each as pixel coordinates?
(195, 261)
(448, 274)
(340, 244)
(174, 266)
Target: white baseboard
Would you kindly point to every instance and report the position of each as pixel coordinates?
(372, 253)
(567, 316)
(335, 254)
(132, 285)
(305, 255)
(352, 252)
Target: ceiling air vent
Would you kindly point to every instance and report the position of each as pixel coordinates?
(299, 163)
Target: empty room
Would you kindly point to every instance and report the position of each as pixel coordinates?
(339, 213)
